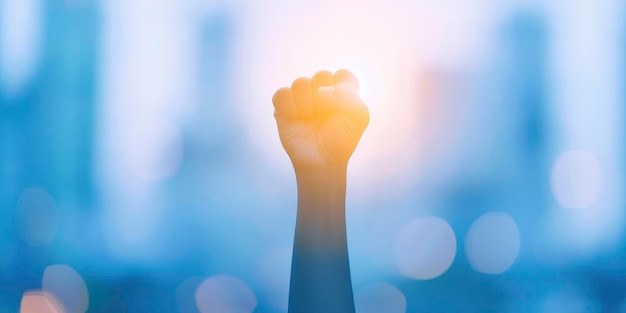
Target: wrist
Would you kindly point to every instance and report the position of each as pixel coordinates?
(322, 187)
(321, 220)
(331, 173)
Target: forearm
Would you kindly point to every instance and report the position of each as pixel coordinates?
(320, 277)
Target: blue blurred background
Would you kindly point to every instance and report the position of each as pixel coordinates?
(141, 171)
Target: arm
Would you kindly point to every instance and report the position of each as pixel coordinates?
(320, 122)
(320, 273)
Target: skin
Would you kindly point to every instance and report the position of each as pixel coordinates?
(320, 122)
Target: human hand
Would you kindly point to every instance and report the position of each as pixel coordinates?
(320, 120)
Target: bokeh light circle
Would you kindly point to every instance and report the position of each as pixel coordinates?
(576, 179)
(225, 294)
(67, 286)
(37, 217)
(424, 248)
(40, 302)
(380, 297)
(492, 243)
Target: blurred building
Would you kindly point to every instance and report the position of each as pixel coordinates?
(211, 143)
(46, 136)
(524, 99)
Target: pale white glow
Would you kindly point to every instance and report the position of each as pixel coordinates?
(154, 148)
(37, 217)
(225, 294)
(380, 297)
(20, 42)
(492, 243)
(40, 302)
(147, 81)
(273, 273)
(424, 248)
(146, 85)
(67, 286)
(576, 179)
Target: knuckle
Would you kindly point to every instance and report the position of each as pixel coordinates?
(301, 82)
(280, 94)
(323, 74)
(343, 71)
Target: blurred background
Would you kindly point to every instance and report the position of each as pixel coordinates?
(141, 170)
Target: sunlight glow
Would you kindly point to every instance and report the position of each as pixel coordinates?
(372, 41)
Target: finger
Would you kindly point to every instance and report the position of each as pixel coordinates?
(301, 90)
(345, 76)
(284, 106)
(322, 79)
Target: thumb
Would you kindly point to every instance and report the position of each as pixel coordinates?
(341, 96)
(329, 92)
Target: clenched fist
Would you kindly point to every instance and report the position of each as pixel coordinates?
(320, 120)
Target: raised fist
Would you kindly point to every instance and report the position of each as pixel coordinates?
(320, 120)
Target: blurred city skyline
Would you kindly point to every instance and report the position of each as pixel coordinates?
(141, 170)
